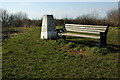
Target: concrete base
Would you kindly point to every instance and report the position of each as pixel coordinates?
(49, 35)
(48, 28)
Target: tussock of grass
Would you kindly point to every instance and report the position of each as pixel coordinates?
(71, 45)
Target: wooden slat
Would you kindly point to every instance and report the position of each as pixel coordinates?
(86, 30)
(85, 25)
(81, 35)
(94, 30)
(83, 31)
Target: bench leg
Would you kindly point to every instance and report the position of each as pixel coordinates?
(103, 39)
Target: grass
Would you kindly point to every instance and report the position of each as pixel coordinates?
(27, 56)
(8, 32)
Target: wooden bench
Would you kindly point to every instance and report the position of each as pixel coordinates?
(89, 31)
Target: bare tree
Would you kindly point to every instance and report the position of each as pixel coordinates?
(90, 18)
(21, 16)
(4, 17)
(112, 17)
(119, 13)
(19, 19)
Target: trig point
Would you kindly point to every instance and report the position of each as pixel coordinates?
(48, 28)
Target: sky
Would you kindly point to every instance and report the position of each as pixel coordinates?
(36, 10)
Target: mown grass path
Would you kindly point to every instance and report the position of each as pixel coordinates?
(27, 56)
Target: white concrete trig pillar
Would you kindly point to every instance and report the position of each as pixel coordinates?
(48, 28)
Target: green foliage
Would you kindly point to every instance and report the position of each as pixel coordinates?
(81, 48)
(113, 36)
(96, 50)
(85, 48)
(103, 51)
(71, 45)
(61, 42)
(77, 48)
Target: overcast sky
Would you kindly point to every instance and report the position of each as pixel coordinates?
(36, 10)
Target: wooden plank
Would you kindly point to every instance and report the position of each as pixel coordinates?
(83, 31)
(97, 30)
(86, 28)
(92, 30)
(77, 25)
(81, 35)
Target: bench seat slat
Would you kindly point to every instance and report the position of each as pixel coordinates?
(84, 31)
(77, 25)
(96, 30)
(86, 28)
(81, 35)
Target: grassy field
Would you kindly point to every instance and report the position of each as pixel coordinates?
(27, 56)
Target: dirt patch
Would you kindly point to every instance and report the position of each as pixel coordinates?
(70, 50)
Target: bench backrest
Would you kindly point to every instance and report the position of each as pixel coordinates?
(95, 29)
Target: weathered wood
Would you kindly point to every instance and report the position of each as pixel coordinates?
(86, 28)
(95, 29)
(84, 25)
(84, 31)
(81, 35)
